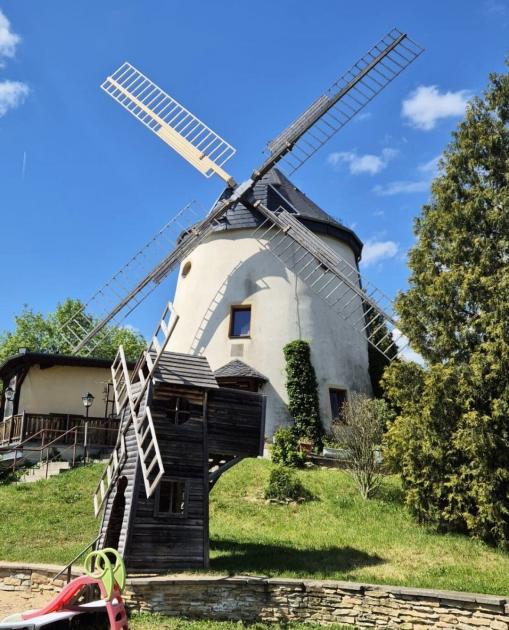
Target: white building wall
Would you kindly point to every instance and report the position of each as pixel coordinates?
(59, 389)
(231, 268)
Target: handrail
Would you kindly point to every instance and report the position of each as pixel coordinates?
(6, 449)
(68, 567)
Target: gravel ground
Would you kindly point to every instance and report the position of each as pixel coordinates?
(13, 602)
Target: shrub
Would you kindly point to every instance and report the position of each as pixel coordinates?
(285, 449)
(284, 486)
(365, 419)
(302, 389)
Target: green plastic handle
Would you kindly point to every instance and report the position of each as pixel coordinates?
(104, 572)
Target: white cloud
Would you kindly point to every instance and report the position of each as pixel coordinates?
(431, 166)
(401, 187)
(359, 164)
(12, 95)
(498, 9)
(426, 105)
(375, 251)
(378, 213)
(363, 116)
(8, 39)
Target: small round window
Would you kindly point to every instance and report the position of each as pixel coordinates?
(186, 268)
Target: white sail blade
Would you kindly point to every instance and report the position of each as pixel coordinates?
(171, 121)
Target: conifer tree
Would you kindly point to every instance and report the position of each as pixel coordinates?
(450, 440)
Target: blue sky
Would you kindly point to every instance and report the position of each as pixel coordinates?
(83, 185)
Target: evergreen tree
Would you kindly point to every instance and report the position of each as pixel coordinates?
(450, 440)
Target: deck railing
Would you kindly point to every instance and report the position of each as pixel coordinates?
(102, 432)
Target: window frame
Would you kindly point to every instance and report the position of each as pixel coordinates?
(157, 497)
(234, 308)
(337, 388)
(178, 413)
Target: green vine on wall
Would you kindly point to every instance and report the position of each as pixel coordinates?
(302, 388)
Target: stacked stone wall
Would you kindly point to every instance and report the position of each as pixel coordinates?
(282, 600)
(323, 602)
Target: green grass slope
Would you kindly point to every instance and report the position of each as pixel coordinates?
(336, 536)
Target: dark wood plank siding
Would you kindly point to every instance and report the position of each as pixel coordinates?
(236, 422)
(163, 543)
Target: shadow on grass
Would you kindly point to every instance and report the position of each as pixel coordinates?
(236, 557)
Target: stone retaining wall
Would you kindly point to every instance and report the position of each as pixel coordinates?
(31, 577)
(282, 600)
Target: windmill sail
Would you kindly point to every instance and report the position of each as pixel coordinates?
(171, 121)
(208, 152)
(332, 278)
(131, 402)
(342, 101)
(92, 322)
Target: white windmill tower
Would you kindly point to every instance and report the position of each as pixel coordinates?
(237, 304)
(321, 265)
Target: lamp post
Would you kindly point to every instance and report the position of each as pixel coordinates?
(9, 397)
(87, 400)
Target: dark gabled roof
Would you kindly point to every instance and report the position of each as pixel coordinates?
(46, 360)
(185, 369)
(275, 190)
(239, 369)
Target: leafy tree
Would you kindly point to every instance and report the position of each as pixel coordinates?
(302, 388)
(41, 333)
(450, 440)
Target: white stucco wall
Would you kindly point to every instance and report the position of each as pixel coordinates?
(231, 268)
(59, 389)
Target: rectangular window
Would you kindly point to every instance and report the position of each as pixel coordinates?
(337, 399)
(171, 498)
(240, 321)
(179, 410)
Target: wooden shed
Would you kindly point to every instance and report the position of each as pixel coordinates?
(202, 430)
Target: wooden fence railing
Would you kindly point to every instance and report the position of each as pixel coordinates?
(17, 428)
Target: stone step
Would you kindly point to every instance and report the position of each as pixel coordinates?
(38, 472)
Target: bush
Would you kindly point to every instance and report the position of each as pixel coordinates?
(365, 420)
(285, 448)
(302, 389)
(284, 486)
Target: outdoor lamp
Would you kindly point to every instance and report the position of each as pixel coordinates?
(9, 394)
(87, 399)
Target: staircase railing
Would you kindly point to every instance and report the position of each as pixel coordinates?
(44, 448)
(68, 567)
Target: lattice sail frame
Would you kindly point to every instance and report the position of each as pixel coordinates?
(170, 120)
(93, 322)
(344, 99)
(360, 303)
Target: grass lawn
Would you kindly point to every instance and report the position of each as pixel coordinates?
(149, 622)
(337, 536)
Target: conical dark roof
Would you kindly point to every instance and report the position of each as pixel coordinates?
(275, 190)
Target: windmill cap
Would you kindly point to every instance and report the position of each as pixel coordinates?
(274, 190)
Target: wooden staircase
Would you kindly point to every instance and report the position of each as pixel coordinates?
(130, 391)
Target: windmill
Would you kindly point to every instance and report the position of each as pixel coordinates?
(326, 272)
